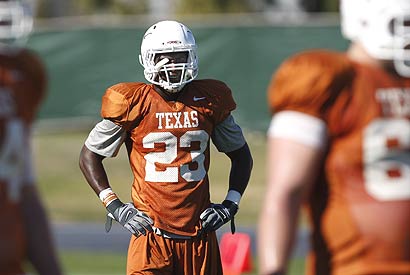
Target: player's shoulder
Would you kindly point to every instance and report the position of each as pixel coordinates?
(23, 60)
(318, 61)
(17, 52)
(125, 88)
(25, 53)
(321, 54)
(214, 95)
(210, 82)
(211, 87)
(310, 78)
(126, 91)
(27, 57)
(120, 98)
(25, 67)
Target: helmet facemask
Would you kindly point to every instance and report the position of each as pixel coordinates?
(401, 44)
(169, 37)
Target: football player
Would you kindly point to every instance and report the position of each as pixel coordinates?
(167, 126)
(24, 230)
(339, 143)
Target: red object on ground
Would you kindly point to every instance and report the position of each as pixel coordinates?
(236, 253)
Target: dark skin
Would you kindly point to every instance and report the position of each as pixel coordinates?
(174, 75)
(91, 164)
(174, 58)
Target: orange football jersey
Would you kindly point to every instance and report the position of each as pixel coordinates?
(360, 206)
(168, 147)
(22, 87)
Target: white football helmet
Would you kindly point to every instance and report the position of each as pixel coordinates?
(16, 20)
(382, 27)
(166, 37)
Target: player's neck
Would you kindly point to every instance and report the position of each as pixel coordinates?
(357, 53)
(166, 95)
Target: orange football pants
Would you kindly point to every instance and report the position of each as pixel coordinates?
(156, 255)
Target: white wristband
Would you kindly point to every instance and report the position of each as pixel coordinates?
(234, 196)
(107, 196)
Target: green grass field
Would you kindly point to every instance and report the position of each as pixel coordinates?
(69, 198)
(81, 263)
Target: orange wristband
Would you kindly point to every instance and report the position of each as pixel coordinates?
(107, 196)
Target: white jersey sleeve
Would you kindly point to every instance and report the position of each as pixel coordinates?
(106, 138)
(299, 127)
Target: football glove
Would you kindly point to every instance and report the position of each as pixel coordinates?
(217, 215)
(137, 222)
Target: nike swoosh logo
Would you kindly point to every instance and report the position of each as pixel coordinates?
(198, 98)
(127, 216)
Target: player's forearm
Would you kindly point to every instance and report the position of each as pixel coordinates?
(277, 231)
(241, 168)
(93, 170)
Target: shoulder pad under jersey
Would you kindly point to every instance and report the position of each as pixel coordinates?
(218, 94)
(26, 68)
(123, 103)
(308, 81)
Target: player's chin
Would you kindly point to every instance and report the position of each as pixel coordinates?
(175, 79)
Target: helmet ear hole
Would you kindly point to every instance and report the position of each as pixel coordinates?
(395, 22)
(391, 26)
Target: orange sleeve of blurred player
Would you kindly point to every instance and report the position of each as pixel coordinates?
(308, 82)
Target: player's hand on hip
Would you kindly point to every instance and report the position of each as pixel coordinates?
(136, 221)
(217, 215)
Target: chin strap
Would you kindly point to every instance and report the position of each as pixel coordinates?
(174, 90)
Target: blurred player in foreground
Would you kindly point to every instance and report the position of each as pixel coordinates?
(24, 231)
(167, 127)
(339, 143)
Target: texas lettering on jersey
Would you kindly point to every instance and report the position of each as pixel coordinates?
(169, 154)
(394, 101)
(171, 120)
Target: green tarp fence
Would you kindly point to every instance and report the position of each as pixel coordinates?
(82, 63)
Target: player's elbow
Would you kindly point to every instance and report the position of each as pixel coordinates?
(242, 157)
(87, 158)
(82, 158)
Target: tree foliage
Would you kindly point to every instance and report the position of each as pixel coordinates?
(213, 6)
(53, 8)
